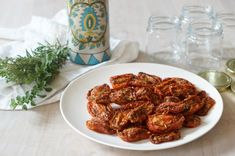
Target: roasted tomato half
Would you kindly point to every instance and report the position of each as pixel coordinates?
(121, 81)
(100, 126)
(164, 123)
(134, 134)
(99, 94)
(165, 137)
(104, 112)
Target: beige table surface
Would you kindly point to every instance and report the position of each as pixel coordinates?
(43, 132)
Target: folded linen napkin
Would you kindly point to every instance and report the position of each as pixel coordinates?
(40, 30)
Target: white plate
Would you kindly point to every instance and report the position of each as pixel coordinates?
(73, 104)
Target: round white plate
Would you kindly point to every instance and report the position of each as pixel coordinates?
(73, 104)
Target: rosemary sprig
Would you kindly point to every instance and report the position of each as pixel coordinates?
(38, 68)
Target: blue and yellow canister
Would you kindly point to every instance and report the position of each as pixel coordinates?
(88, 37)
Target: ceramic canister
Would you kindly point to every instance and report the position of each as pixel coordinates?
(88, 37)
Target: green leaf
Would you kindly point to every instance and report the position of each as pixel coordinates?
(48, 89)
(41, 96)
(13, 104)
(28, 54)
(24, 107)
(33, 103)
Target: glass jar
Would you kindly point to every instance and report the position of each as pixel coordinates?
(204, 45)
(190, 13)
(228, 22)
(162, 40)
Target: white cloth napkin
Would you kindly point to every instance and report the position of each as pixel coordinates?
(40, 30)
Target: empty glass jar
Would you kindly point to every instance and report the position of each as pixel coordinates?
(228, 22)
(162, 40)
(190, 13)
(204, 45)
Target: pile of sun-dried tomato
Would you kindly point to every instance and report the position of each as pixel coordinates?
(145, 106)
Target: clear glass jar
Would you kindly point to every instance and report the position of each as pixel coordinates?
(190, 13)
(228, 22)
(204, 45)
(162, 40)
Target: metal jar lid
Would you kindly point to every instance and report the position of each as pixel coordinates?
(230, 64)
(219, 80)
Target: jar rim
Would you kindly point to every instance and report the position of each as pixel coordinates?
(162, 22)
(192, 7)
(225, 15)
(190, 12)
(226, 18)
(205, 28)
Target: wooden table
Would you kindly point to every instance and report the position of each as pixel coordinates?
(42, 131)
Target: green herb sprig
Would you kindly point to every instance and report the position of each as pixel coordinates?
(38, 68)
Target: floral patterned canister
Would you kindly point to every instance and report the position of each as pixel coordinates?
(88, 31)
